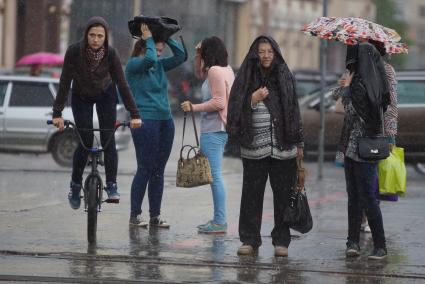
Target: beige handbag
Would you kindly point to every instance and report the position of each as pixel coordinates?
(194, 171)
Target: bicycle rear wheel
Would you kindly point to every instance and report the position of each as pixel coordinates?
(93, 188)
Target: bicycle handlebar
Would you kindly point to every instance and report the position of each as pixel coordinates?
(70, 124)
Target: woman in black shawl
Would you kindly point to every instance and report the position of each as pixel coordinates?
(264, 118)
(365, 95)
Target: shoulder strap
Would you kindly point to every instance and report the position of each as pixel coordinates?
(194, 127)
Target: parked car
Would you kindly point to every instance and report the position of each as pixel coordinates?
(25, 106)
(411, 117)
(308, 82)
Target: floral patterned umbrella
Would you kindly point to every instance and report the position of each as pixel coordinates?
(354, 30)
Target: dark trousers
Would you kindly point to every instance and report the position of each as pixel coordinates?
(153, 143)
(83, 117)
(361, 189)
(282, 175)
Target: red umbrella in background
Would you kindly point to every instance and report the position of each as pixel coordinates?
(41, 58)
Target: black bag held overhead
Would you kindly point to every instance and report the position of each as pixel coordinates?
(161, 27)
(374, 148)
(297, 214)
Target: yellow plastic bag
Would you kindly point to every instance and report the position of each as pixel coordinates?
(392, 173)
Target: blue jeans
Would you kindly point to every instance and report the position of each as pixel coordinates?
(361, 189)
(153, 143)
(212, 145)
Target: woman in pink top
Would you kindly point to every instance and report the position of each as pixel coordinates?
(211, 65)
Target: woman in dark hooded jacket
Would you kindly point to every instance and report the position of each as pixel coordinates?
(95, 70)
(365, 96)
(264, 118)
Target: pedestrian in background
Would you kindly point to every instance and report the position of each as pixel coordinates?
(211, 64)
(365, 94)
(390, 116)
(264, 117)
(146, 76)
(94, 69)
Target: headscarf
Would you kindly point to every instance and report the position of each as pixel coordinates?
(252, 76)
(351, 59)
(370, 92)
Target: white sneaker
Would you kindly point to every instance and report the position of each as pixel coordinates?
(137, 221)
(158, 222)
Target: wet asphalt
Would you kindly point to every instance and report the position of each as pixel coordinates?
(42, 240)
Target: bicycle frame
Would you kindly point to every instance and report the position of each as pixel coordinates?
(93, 184)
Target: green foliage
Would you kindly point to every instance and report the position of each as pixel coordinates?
(385, 15)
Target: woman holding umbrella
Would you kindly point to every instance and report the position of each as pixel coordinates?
(367, 91)
(365, 94)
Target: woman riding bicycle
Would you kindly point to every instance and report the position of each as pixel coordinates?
(95, 69)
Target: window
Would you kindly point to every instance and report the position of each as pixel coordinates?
(31, 95)
(3, 88)
(411, 92)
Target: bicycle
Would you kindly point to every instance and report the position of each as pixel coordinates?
(93, 184)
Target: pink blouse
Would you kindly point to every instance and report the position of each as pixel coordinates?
(220, 81)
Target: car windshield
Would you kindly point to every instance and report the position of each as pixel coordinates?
(411, 92)
(313, 100)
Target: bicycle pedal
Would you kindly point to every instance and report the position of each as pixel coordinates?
(116, 201)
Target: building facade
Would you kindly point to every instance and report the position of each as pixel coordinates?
(412, 12)
(7, 33)
(50, 25)
(283, 19)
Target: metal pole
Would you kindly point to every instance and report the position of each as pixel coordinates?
(137, 7)
(323, 45)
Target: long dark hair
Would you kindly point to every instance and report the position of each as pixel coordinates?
(140, 46)
(213, 52)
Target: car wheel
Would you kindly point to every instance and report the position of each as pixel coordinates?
(64, 147)
(420, 168)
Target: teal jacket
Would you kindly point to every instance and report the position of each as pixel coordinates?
(148, 81)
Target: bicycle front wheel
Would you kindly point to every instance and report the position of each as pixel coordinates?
(93, 188)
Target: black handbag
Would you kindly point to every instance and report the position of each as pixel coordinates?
(297, 214)
(374, 148)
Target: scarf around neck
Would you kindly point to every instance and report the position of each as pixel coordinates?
(94, 57)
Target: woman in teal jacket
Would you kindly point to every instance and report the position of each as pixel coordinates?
(146, 76)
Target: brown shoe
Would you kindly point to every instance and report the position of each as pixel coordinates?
(280, 251)
(245, 250)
